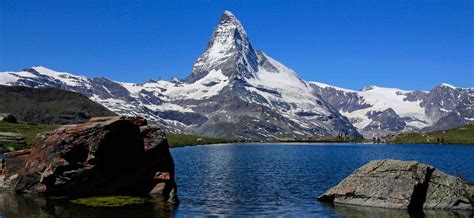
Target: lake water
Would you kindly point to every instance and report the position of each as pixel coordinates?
(264, 179)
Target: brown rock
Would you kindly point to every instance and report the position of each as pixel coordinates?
(13, 164)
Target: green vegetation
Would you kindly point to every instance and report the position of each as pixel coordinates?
(109, 201)
(6, 146)
(28, 130)
(460, 135)
(181, 140)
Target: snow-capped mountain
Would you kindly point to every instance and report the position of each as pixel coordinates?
(236, 91)
(377, 111)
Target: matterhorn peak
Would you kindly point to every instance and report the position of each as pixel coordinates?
(229, 50)
(229, 22)
(228, 17)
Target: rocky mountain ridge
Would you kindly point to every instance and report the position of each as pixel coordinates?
(377, 111)
(238, 92)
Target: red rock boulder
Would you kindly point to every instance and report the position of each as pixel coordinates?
(105, 156)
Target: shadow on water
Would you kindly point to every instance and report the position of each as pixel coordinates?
(22, 205)
(357, 211)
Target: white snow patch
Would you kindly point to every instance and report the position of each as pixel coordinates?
(324, 85)
(448, 85)
(384, 98)
(206, 87)
(66, 78)
(169, 107)
(7, 77)
(133, 88)
(286, 82)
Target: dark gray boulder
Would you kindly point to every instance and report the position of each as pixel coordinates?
(401, 185)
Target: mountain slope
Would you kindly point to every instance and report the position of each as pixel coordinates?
(48, 106)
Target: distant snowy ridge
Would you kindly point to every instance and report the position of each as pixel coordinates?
(377, 111)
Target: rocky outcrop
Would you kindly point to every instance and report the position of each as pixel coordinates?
(105, 156)
(13, 164)
(8, 118)
(12, 137)
(401, 185)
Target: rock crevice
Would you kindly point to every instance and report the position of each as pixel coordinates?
(420, 191)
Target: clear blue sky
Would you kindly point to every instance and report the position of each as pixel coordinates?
(352, 44)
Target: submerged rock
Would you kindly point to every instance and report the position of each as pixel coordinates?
(401, 185)
(105, 156)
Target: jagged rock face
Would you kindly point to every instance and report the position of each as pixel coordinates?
(440, 101)
(401, 185)
(386, 120)
(444, 100)
(342, 100)
(106, 156)
(463, 113)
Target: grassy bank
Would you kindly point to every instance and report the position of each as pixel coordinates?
(460, 135)
(180, 140)
(28, 130)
